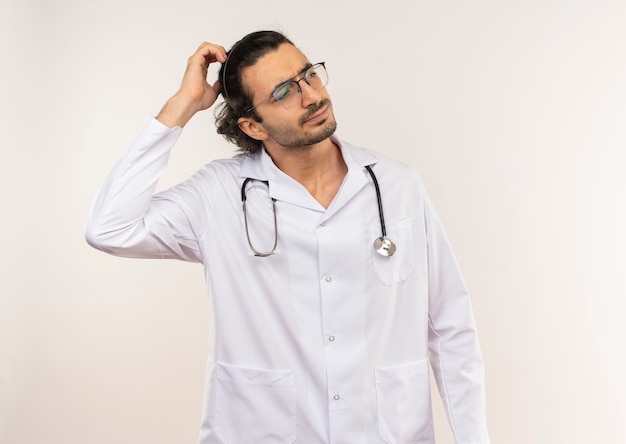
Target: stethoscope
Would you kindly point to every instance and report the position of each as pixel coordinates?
(383, 245)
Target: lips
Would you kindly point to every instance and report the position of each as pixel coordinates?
(318, 113)
(321, 113)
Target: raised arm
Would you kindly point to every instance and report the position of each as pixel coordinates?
(125, 218)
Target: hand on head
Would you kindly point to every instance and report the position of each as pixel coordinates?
(195, 93)
(194, 85)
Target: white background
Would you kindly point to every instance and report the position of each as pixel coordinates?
(513, 112)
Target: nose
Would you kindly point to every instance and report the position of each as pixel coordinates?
(309, 95)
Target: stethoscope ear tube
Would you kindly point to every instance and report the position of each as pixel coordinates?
(245, 219)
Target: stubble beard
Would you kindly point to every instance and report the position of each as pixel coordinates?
(295, 138)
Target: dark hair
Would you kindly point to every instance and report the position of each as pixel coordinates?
(237, 100)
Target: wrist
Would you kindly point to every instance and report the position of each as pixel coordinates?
(177, 111)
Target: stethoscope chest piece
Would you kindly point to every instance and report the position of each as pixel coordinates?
(384, 246)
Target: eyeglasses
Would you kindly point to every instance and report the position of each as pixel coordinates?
(286, 95)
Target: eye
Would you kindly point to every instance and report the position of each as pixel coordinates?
(282, 91)
(313, 77)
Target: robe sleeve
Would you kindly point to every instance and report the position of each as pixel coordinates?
(455, 354)
(126, 219)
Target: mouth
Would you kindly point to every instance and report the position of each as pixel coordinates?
(318, 115)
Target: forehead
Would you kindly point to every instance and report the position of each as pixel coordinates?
(272, 69)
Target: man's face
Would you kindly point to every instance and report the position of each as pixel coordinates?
(310, 121)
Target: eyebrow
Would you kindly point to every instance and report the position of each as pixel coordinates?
(302, 71)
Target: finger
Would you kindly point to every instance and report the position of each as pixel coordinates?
(211, 52)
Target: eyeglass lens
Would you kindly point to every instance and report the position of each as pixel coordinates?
(288, 94)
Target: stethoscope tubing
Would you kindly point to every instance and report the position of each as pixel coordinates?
(381, 214)
(383, 245)
(245, 220)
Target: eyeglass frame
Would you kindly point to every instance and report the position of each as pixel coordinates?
(297, 82)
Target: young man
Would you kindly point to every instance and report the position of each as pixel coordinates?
(333, 283)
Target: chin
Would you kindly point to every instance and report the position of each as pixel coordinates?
(324, 133)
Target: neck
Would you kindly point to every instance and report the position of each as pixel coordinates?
(320, 168)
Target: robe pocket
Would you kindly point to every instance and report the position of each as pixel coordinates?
(404, 408)
(397, 268)
(254, 405)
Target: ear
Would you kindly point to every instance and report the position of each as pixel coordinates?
(252, 128)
